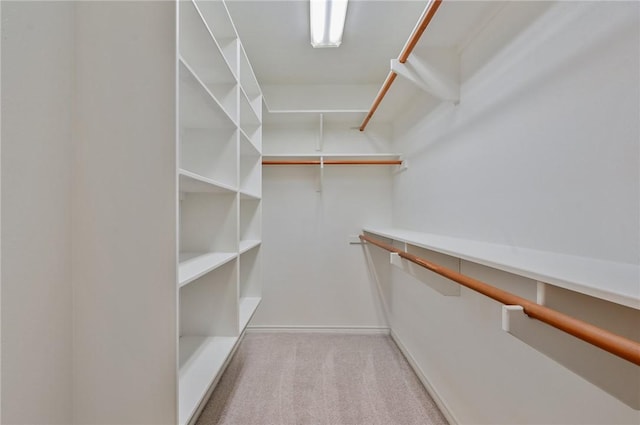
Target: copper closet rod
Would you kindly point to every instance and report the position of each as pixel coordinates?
(332, 162)
(408, 48)
(608, 341)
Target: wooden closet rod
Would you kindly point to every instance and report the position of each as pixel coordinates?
(404, 55)
(608, 341)
(333, 162)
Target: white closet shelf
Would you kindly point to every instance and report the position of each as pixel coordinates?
(192, 182)
(318, 111)
(247, 195)
(196, 264)
(331, 156)
(248, 244)
(607, 280)
(201, 359)
(248, 306)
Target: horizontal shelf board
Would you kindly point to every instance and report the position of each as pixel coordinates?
(311, 118)
(318, 111)
(248, 244)
(334, 156)
(248, 306)
(191, 182)
(201, 359)
(584, 275)
(196, 264)
(246, 195)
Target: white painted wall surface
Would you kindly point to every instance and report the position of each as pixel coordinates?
(312, 277)
(37, 73)
(124, 214)
(541, 152)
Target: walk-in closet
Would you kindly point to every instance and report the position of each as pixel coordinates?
(286, 212)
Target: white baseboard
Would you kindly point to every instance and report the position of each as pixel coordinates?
(442, 405)
(356, 330)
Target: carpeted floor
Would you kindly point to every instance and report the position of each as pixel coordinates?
(318, 379)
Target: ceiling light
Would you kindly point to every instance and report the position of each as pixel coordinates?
(327, 22)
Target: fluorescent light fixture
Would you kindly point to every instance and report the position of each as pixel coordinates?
(327, 22)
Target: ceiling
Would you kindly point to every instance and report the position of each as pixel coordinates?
(275, 35)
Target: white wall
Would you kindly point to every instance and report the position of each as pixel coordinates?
(541, 152)
(124, 214)
(37, 79)
(312, 277)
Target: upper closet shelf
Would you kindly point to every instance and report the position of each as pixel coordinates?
(333, 159)
(615, 282)
(191, 182)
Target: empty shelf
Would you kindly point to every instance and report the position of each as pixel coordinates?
(201, 359)
(607, 280)
(246, 245)
(191, 182)
(196, 264)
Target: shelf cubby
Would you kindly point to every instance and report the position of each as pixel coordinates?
(199, 108)
(206, 57)
(250, 284)
(249, 121)
(208, 222)
(250, 169)
(201, 359)
(250, 222)
(210, 153)
(250, 84)
(219, 22)
(208, 332)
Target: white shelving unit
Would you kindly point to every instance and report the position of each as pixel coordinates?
(220, 179)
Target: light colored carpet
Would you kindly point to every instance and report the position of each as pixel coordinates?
(318, 379)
